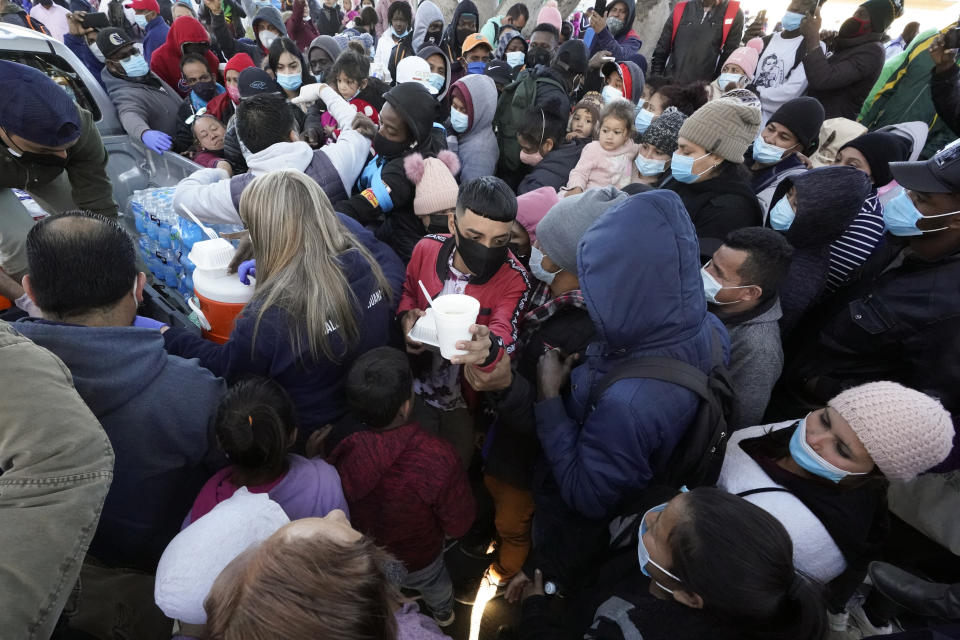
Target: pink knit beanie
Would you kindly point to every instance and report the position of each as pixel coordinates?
(436, 187)
(905, 432)
(532, 206)
(745, 58)
(550, 14)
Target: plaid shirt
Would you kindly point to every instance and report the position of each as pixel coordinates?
(543, 312)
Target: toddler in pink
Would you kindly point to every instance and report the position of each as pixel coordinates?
(609, 159)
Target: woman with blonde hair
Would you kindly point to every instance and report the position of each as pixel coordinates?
(321, 300)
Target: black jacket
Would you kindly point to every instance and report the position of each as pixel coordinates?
(696, 53)
(554, 170)
(329, 21)
(843, 81)
(945, 91)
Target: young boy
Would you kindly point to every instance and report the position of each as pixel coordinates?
(406, 488)
(473, 260)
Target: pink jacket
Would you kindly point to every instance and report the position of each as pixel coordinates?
(598, 167)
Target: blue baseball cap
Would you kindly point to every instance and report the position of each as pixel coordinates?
(36, 108)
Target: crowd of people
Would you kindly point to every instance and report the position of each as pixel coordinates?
(709, 392)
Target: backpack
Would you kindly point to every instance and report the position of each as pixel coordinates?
(698, 456)
(517, 97)
(732, 7)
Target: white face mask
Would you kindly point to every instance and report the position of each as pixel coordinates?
(95, 50)
(266, 38)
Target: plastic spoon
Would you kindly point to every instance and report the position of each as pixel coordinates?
(207, 230)
(424, 289)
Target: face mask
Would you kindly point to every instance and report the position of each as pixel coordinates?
(531, 159)
(516, 58)
(290, 81)
(782, 215)
(482, 261)
(140, 20)
(901, 216)
(538, 55)
(46, 4)
(388, 148)
(614, 25)
(437, 81)
(766, 153)
(536, 267)
(791, 21)
(682, 168)
(234, 93)
(853, 28)
(205, 90)
(609, 94)
(433, 37)
(463, 34)
(649, 167)
(438, 224)
(135, 66)
(808, 459)
(643, 120)
(44, 159)
(476, 67)
(399, 35)
(266, 38)
(712, 286)
(728, 78)
(644, 556)
(458, 120)
(95, 50)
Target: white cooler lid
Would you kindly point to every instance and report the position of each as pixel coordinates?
(222, 287)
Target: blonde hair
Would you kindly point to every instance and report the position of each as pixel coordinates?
(298, 242)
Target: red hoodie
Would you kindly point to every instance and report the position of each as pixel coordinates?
(165, 61)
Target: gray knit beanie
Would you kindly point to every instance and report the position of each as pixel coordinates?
(726, 127)
(663, 131)
(559, 233)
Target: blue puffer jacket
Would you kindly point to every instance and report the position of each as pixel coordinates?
(639, 268)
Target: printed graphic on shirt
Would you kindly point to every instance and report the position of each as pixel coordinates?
(771, 71)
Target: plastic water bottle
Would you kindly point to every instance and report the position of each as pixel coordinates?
(136, 209)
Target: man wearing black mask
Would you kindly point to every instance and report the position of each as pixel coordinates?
(50, 148)
(386, 199)
(543, 44)
(465, 22)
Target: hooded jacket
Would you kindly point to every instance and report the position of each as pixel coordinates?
(428, 51)
(162, 442)
(301, 31)
(698, 51)
(165, 61)
(842, 81)
(406, 489)
(143, 104)
(555, 167)
(427, 13)
(386, 193)
(624, 45)
(451, 42)
(600, 454)
(230, 46)
(477, 146)
(326, 44)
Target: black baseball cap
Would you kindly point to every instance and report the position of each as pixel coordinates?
(111, 40)
(939, 174)
(500, 71)
(254, 81)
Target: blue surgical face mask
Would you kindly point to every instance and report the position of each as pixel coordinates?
(727, 78)
(399, 35)
(135, 66)
(459, 120)
(290, 81)
(765, 153)
(791, 21)
(516, 58)
(643, 120)
(901, 216)
(682, 168)
(609, 94)
(140, 20)
(782, 214)
(808, 459)
(436, 81)
(712, 286)
(644, 556)
(476, 67)
(649, 167)
(536, 266)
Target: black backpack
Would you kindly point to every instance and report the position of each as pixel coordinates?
(698, 456)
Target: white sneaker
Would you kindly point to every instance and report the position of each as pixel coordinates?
(838, 621)
(445, 622)
(862, 623)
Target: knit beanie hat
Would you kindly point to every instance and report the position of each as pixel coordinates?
(238, 63)
(436, 187)
(725, 126)
(590, 106)
(756, 43)
(560, 230)
(36, 108)
(882, 13)
(532, 206)
(905, 432)
(572, 56)
(880, 149)
(550, 14)
(663, 131)
(746, 58)
(803, 116)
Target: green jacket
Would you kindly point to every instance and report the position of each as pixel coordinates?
(902, 94)
(86, 169)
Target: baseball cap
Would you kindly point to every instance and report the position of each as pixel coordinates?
(111, 40)
(415, 69)
(500, 71)
(36, 108)
(143, 5)
(474, 40)
(572, 56)
(939, 174)
(254, 81)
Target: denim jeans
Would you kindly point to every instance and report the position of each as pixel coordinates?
(434, 584)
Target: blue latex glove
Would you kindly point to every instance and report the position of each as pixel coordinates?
(248, 268)
(147, 323)
(156, 141)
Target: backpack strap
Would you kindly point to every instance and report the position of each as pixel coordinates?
(677, 15)
(732, 7)
(750, 492)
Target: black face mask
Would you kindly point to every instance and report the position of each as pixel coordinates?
(538, 55)
(388, 148)
(524, 259)
(205, 90)
(196, 49)
(438, 224)
(853, 28)
(46, 4)
(41, 159)
(463, 33)
(433, 37)
(483, 261)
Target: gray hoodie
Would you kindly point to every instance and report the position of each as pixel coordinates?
(477, 146)
(142, 106)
